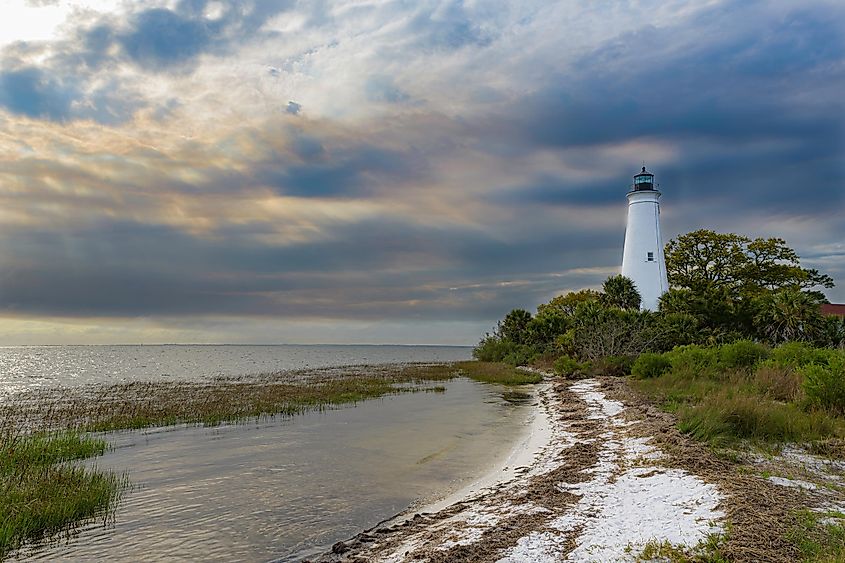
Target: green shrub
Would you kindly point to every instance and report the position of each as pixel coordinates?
(567, 367)
(650, 365)
(614, 366)
(798, 354)
(493, 348)
(742, 354)
(824, 384)
(693, 359)
(520, 355)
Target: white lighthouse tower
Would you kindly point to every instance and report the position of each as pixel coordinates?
(642, 259)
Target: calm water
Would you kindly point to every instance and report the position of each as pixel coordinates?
(283, 491)
(279, 490)
(31, 367)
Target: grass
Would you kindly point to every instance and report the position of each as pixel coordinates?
(724, 405)
(818, 536)
(43, 493)
(708, 551)
(492, 372)
(148, 404)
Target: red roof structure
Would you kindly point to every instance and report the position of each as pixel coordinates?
(833, 309)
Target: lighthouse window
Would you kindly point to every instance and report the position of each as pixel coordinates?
(650, 257)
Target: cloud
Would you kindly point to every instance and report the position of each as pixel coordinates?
(456, 159)
(293, 108)
(161, 38)
(31, 92)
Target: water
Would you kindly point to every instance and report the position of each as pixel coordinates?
(279, 490)
(289, 489)
(24, 368)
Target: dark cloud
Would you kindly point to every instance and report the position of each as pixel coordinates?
(32, 92)
(371, 270)
(66, 84)
(165, 39)
(161, 38)
(334, 172)
(748, 105)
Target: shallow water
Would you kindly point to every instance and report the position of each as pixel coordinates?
(283, 490)
(25, 368)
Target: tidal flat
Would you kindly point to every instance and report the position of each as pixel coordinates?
(188, 473)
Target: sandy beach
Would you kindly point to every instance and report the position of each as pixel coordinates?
(602, 475)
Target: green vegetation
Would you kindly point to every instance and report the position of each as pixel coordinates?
(42, 492)
(650, 365)
(502, 374)
(708, 551)
(742, 391)
(824, 383)
(725, 289)
(147, 404)
(819, 536)
(739, 348)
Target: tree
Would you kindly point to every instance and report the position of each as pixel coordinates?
(620, 292)
(715, 309)
(602, 332)
(789, 315)
(513, 326)
(567, 303)
(773, 265)
(546, 326)
(834, 332)
(704, 260)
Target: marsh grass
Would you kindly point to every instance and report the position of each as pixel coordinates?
(43, 493)
(492, 372)
(148, 404)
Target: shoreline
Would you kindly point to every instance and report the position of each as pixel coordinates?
(574, 488)
(534, 439)
(618, 481)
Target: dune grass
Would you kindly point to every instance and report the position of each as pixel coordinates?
(722, 396)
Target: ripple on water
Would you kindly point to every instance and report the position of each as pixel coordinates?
(281, 490)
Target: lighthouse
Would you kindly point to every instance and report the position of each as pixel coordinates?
(642, 259)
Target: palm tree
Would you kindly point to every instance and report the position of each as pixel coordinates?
(788, 315)
(620, 292)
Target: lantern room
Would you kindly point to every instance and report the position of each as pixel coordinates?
(643, 181)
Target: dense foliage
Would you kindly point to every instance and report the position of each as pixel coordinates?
(725, 289)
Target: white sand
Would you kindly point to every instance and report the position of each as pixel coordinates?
(627, 500)
(619, 513)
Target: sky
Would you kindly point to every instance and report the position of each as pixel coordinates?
(282, 171)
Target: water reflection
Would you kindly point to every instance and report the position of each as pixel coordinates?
(284, 490)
